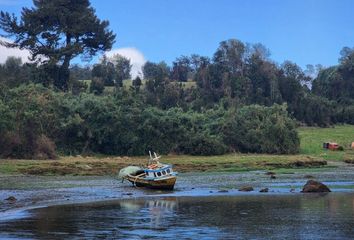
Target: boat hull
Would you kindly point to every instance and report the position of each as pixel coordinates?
(167, 183)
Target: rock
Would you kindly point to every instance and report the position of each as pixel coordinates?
(350, 161)
(129, 193)
(223, 190)
(270, 173)
(264, 190)
(11, 199)
(292, 190)
(273, 177)
(246, 189)
(210, 191)
(314, 186)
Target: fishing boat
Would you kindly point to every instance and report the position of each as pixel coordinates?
(156, 175)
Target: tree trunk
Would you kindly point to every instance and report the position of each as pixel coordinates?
(64, 73)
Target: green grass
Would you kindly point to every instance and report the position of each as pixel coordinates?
(7, 168)
(312, 139)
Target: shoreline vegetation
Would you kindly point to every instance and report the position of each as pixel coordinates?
(238, 100)
(311, 156)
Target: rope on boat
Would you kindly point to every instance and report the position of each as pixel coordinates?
(136, 178)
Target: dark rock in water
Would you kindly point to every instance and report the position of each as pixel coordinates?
(246, 189)
(292, 190)
(11, 199)
(129, 193)
(264, 190)
(223, 190)
(314, 186)
(270, 173)
(210, 191)
(273, 177)
(350, 161)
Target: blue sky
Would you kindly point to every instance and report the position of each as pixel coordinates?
(303, 31)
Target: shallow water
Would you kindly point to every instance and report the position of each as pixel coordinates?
(256, 216)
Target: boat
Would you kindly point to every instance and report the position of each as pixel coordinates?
(155, 176)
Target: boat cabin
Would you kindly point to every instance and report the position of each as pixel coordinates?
(159, 172)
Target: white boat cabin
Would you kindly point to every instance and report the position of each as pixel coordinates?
(159, 172)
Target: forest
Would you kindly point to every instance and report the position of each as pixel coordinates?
(237, 100)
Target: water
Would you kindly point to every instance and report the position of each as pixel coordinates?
(281, 216)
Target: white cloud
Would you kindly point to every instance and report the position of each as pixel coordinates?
(137, 59)
(12, 52)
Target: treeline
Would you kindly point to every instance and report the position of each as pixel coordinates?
(238, 75)
(241, 101)
(241, 74)
(36, 122)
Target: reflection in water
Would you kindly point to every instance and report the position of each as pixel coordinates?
(302, 216)
(155, 210)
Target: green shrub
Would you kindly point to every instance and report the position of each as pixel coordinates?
(35, 121)
(205, 145)
(261, 129)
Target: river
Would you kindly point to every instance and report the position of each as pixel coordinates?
(218, 216)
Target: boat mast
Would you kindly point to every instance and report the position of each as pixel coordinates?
(156, 158)
(150, 160)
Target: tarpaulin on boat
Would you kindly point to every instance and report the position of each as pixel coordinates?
(132, 170)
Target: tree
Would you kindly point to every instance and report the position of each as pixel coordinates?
(13, 72)
(230, 56)
(155, 70)
(136, 84)
(55, 32)
(337, 82)
(78, 72)
(156, 75)
(106, 71)
(181, 69)
(290, 81)
(122, 68)
(97, 86)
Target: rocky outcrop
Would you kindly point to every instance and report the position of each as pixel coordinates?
(223, 191)
(313, 186)
(11, 199)
(264, 190)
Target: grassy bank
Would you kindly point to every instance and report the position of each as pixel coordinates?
(311, 155)
(312, 139)
(109, 165)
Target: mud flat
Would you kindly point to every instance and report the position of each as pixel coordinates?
(37, 191)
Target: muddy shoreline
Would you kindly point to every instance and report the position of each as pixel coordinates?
(41, 191)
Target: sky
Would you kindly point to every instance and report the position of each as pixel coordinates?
(303, 31)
